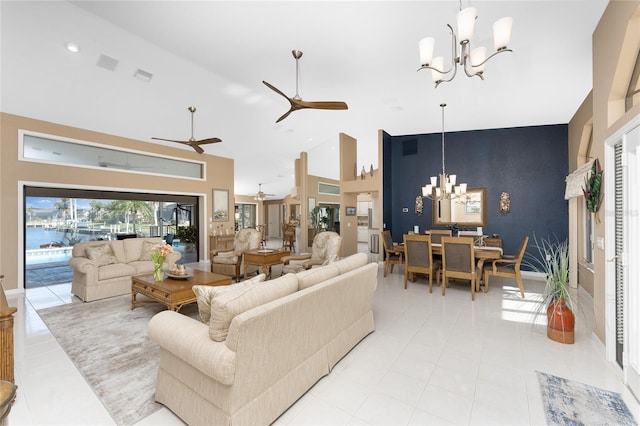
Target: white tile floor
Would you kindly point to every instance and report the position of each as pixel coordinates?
(432, 360)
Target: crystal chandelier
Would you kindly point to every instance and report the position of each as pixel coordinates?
(446, 186)
(472, 61)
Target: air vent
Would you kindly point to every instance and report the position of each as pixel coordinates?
(143, 75)
(107, 62)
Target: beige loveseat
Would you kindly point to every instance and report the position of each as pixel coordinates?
(283, 336)
(103, 269)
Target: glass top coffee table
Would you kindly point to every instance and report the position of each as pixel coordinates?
(173, 292)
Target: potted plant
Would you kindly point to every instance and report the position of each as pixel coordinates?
(553, 260)
(188, 235)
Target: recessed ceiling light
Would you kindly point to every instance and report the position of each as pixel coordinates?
(72, 47)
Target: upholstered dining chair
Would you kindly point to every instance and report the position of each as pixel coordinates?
(437, 234)
(418, 258)
(458, 261)
(507, 266)
(229, 262)
(324, 250)
(393, 255)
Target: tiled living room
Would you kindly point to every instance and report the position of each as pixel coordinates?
(433, 359)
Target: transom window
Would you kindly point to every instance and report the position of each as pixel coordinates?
(49, 149)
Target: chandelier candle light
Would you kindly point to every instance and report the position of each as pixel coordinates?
(447, 185)
(471, 60)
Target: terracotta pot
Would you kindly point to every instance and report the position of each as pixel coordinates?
(560, 322)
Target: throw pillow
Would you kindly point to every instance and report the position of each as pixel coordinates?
(102, 254)
(206, 293)
(147, 249)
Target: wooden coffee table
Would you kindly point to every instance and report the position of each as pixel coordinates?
(174, 293)
(264, 259)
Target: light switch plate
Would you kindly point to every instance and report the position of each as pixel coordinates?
(600, 243)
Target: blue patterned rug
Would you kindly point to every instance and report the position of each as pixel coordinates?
(573, 403)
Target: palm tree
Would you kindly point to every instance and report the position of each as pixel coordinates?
(96, 211)
(62, 207)
(131, 208)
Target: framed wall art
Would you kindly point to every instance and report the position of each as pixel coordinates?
(220, 205)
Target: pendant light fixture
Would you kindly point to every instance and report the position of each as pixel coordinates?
(444, 186)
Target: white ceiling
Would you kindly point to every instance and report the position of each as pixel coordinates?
(215, 54)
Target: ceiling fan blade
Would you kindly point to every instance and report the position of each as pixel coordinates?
(195, 146)
(275, 89)
(285, 115)
(334, 105)
(209, 140)
(291, 101)
(169, 140)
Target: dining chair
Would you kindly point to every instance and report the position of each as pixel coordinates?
(393, 255)
(458, 261)
(418, 258)
(289, 236)
(508, 266)
(477, 239)
(437, 234)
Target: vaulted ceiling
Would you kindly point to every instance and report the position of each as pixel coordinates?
(215, 54)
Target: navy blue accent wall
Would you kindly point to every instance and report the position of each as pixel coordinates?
(530, 163)
(387, 187)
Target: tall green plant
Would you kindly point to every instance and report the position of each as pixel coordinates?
(551, 257)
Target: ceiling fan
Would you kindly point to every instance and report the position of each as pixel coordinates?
(261, 195)
(192, 142)
(297, 102)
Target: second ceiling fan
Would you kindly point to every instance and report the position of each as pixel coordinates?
(192, 142)
(297, 102)
(260, 196)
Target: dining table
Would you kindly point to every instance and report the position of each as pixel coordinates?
(481, 253)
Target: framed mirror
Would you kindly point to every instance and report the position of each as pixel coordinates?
(468, 210)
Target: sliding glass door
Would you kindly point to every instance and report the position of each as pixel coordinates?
(56, 219)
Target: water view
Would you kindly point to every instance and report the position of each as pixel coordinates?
(37, 237)
(54, 225)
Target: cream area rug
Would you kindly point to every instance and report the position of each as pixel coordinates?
(567, 402)
(108, 343)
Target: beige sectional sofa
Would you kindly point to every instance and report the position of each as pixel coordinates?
(266, 344)
(103, 269)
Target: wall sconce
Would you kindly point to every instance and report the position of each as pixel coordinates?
(505, 203)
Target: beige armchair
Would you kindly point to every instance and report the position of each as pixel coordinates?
(326, 249)
(229, 262)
